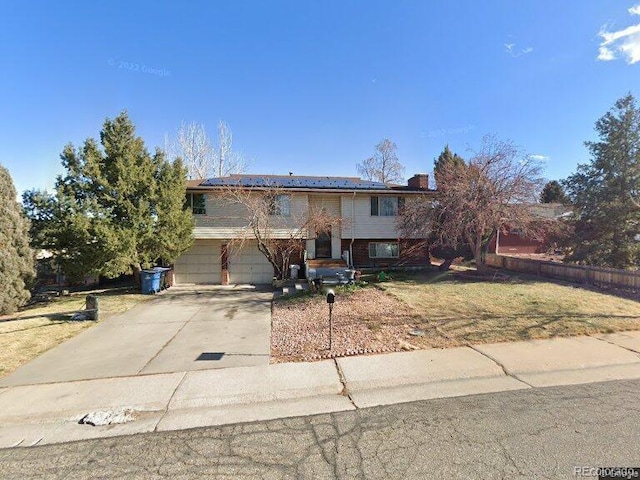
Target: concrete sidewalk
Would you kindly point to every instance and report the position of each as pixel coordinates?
(49, 413)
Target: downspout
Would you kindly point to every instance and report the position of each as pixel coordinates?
(352, 239)
(497, 240)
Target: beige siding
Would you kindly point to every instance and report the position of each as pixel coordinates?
(358, 222)
(226, 219)
(199, 264)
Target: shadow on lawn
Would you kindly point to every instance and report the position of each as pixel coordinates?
(500, 277)
(488, 327)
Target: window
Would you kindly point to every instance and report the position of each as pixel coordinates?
(386, 206)
(196, 203)
(280, 205)
(384, 250)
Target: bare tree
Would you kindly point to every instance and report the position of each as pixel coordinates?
(384, 165)
(201, 156)
(475, 200)
(272, 217)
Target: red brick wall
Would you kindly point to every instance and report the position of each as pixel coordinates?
(412, 253)
(512, 243)
(419, 181)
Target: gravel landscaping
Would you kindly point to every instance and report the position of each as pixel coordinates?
(367, 320)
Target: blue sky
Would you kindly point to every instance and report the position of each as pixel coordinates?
(312, 87)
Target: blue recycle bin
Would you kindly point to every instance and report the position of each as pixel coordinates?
(163, 276)
(150, 280)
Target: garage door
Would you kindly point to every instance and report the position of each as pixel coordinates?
(199, 264)
(249, 266)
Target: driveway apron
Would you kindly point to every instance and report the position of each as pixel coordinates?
(183, 329)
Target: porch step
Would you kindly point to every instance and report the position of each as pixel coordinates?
(327, 263)
(298, 287)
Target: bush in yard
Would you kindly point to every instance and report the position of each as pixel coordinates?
(16, 257)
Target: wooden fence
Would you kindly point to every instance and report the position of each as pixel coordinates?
(564, 271)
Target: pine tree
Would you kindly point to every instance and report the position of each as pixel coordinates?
(16, 257)
(553, 192)
(446, 157)
(604, 192)
(117, 208)
(448, 250)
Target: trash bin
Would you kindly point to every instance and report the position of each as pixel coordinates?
(294, 271)
(150, 281)
(163, 276)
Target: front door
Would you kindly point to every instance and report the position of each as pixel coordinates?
(323, 244)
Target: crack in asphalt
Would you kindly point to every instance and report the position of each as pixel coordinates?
(532, 433)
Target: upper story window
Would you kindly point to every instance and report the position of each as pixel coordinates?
(196, 202)
(386, 206)
(280, 205)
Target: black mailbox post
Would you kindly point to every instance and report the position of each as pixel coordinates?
(331, 298)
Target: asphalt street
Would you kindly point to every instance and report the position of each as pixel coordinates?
(535, 433)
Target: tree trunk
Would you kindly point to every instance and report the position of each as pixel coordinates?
(478, 256)
(136, 269)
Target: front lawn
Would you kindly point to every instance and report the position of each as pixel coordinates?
(37, 328)
(460, 307)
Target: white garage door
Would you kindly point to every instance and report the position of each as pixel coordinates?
(199, 264)
(249, 266)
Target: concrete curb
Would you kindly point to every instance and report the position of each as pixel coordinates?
(245, 394)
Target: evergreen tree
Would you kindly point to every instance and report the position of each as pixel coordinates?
(448, 250)
(604, 192)
(16, 257)
(117, 208)
(553, 192)
(446, 157)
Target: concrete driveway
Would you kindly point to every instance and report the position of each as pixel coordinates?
(183, 329)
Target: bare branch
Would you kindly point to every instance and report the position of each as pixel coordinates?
(384, 165)
(202, 158)
(476, 199)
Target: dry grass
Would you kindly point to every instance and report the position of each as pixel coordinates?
(464, 307)
(38, 328)
(457, 308)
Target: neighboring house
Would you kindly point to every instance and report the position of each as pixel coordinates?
(366, 236)
(514, 241)
(48, 272)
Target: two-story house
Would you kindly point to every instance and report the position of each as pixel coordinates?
(365, 236)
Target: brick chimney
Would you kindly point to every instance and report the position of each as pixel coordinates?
(420, 181)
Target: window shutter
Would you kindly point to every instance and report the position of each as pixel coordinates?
(372, 250)
(374, 206)
(400, 205)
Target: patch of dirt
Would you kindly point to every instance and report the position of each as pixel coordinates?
(366, 321)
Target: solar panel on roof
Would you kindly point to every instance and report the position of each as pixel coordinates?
(295, 182)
